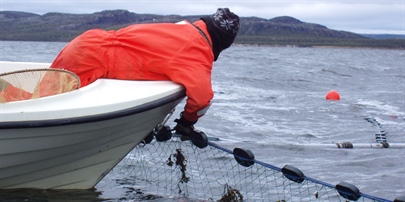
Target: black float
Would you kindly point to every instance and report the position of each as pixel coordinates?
(244, 157)
(348, 191)
(292, 173)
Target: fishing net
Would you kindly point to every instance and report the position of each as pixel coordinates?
(35, 83)
(214, 173)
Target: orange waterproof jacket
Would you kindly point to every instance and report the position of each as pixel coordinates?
(161, 51)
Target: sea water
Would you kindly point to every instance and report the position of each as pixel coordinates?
(271, 100)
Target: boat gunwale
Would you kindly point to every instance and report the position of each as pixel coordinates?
(94, 118)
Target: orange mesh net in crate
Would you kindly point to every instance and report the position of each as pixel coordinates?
(36, 83)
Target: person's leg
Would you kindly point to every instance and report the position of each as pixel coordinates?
(84, 56)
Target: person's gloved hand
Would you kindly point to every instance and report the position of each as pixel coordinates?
(184, 127)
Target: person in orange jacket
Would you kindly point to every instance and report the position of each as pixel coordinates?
(181, 52)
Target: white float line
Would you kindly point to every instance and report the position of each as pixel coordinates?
(349, 145)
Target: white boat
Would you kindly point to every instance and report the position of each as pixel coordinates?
(72, 140)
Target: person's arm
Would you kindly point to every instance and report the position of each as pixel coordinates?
(197, 82)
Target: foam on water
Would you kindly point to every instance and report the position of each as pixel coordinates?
(376, 106)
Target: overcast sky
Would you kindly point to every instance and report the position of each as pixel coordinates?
(359, 16)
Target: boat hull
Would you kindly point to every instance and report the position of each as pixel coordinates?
(72, 140)
(73, 156)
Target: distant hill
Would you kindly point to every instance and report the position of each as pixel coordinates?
(384, 36)
(279, 31)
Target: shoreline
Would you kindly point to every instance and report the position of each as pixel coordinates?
(317, 46)
(253, 45)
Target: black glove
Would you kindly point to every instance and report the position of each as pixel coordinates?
(184, 127)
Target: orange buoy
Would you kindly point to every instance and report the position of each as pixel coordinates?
(333, 95)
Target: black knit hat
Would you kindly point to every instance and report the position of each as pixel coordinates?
(223, 26)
